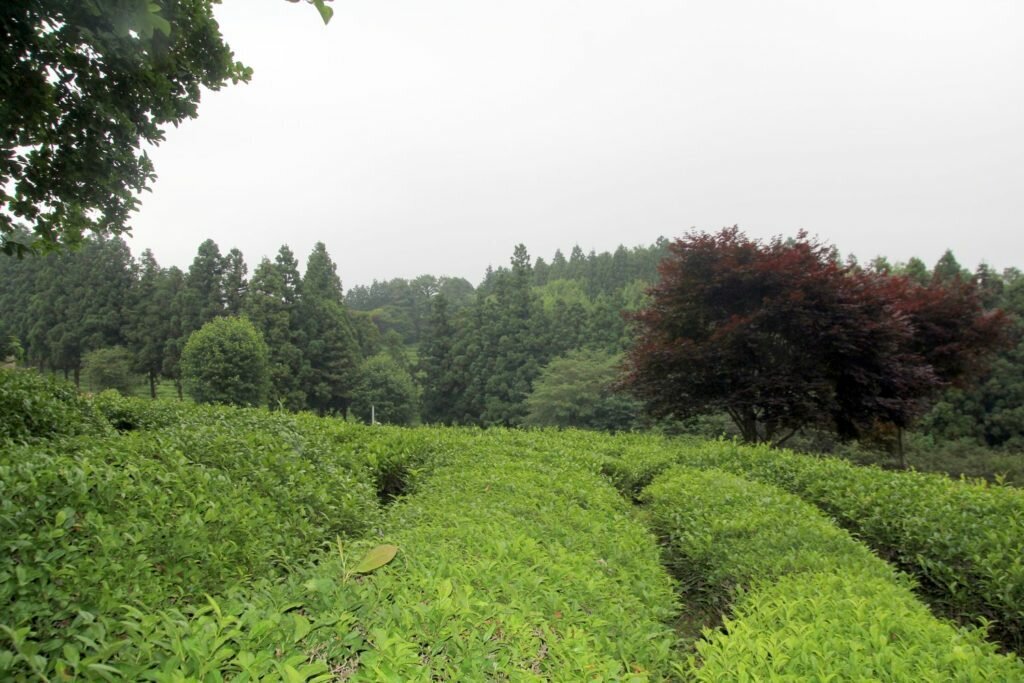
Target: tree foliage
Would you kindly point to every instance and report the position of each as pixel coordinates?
(225, 361)
(578, 390)
(84, 84)
(781, 335)
(386, 392)
(331, 369)
(110, 368)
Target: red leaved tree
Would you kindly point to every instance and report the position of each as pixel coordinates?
(781, 335)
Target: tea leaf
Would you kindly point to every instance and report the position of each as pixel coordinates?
(376, 558)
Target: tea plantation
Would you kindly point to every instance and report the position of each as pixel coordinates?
(160, 541)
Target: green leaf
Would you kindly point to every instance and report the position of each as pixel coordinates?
(325, 12)
(302, 627)
(376, 558)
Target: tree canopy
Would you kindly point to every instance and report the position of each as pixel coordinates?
(782, 335)
(225, 361)
(84, 84)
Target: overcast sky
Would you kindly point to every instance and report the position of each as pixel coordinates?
(431, 136)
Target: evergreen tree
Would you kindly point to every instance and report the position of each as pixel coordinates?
(149, 324)
(86, 300)
(507, 348)
(440, 383)
(331, 352)
(559, 266)
(272, 309)
(916, 270)
(171, 287)
(947, 269)
(235, 283)
(202, 296)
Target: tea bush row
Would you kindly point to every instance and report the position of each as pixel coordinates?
(163, 517)
(808, 601)
(512, 566)
(964, 541)
(35, 407)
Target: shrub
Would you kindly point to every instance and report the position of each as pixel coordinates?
(161, 518)
(34, 407)
(514, 563)
(225, 361)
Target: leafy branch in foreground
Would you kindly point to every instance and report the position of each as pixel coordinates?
(84, 84)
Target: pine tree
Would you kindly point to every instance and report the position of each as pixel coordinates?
(87, 297)
(171, 287)
(504, 349)
(202, 297)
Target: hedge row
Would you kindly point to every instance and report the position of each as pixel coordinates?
(34, 407)
(963, 541)
(518, 567)
(808, 601)
(161, 518)
(511, 566)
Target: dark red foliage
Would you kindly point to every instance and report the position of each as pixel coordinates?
(782, 335)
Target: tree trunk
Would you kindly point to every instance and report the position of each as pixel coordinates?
(745, 419)
(899, 447)
(152, 385)
(77, 383)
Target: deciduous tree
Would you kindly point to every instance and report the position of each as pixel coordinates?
(781, 335)
(83, 85)
(226, 362)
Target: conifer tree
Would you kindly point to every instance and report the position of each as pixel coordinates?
(272, 309)
(235, 283)
(202, 297)
(149, 325)
(171, 286)
(332, 354)
(440, 383)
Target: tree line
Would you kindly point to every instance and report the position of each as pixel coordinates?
(98, 308)
(536, 342)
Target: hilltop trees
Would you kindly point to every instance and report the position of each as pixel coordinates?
(781, 335)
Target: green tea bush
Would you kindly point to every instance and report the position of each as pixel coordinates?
(512, 565)
(127, 413)
(808, 601)
(164, 517)
(964, 541)
(34, 407)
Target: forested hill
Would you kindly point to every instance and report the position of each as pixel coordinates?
(591, 280)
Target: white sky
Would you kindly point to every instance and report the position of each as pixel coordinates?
(431, 136)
